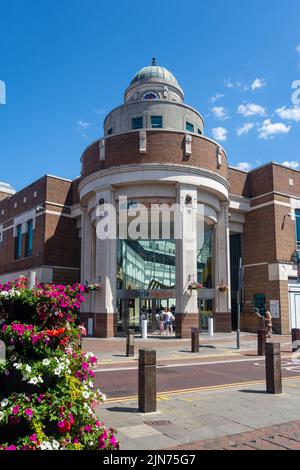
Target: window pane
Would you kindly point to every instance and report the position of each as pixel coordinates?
(156, 122)
(29, 238)
(189, 127)
(137, 123)
(298, 227)
(18, 252)
(110, 131)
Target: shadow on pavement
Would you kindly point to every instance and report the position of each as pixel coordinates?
(119, 409)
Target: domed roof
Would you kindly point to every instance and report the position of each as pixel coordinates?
(154, 71)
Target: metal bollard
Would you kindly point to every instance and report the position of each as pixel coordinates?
(147, 381)
(130, 343)
(261, 342)
(295, 339)
(273, 368)
(195, 340)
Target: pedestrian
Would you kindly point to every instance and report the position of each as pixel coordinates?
(268, 321)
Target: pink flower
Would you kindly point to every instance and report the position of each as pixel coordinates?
(10, 448)
(88, 428)
(16, 409)
(33, 438)
(28, 412)
(85, 365)
(113, 442)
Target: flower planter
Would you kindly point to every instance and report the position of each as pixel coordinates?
(13, 383)
(10, 432)
(17, 311)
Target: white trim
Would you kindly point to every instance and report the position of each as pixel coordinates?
(255, 264)
(60, 214)
(56, 204)
(270, 203)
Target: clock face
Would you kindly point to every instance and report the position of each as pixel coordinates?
(150, 95)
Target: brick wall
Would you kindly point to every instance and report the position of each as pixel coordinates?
(162, 147)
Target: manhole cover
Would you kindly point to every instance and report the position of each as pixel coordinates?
(160, 422)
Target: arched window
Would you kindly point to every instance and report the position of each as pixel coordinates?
(260, 303)
(150, 95)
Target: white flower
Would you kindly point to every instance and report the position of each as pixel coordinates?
(1, 415)
(45, 445)
(86, 395)
(10, 348)
(17, 365)
(91, 385)
(89, 354)
(55, 445)
(57, 371)
(28, 368)
(103, 396)
(4, 403)
(34, 380)
(46, 362)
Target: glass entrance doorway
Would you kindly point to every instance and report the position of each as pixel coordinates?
(129, 311)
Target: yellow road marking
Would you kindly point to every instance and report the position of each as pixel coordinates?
(169, 393)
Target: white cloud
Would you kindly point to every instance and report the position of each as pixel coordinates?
(292, 164)
(220, 112)
(244, 166)
(217, 97)
(83, 124)
(291, 114)
(258, 83)
(100, 111)
(298, 48)
(251, 109)
(269, 129)
(219, 133)
(245, 129)
(230, 84)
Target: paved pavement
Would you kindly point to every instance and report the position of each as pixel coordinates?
(111, 352)
(204, 400)
(202, 419)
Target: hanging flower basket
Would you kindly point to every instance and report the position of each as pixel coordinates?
(93, 287)
(195, 286)
(222, 288)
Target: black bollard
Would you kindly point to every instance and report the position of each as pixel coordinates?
(273, 368)
(147, 381)
(295, 339)
(261, 342)
(195, 340)
(130, 343)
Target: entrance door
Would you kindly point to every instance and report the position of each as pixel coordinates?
(294, 310)
(294, 301)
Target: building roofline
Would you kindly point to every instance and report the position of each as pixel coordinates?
(263, 166)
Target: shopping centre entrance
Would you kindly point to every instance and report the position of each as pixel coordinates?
(131, 304)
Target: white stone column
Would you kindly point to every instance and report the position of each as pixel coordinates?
(106, 268)
(86, 253)
(186, 262)
(222, 268)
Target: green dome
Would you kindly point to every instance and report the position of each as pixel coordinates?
(154, 71)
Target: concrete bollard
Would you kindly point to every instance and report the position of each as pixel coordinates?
(261, 342)
(130, 343)
(147, 381)
(273, 368)
(195, 340)
(295, 340)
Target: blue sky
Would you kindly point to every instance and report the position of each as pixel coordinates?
(66, 63)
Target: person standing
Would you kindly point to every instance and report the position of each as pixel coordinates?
(268, 321)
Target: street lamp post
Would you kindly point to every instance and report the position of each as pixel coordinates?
(239, 301)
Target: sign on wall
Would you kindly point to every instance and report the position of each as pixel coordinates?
(275, 308)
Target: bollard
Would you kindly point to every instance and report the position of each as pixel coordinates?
(130, 343)
(295, 339)
(195, 340)
(32, 279)
(147, 381)
(273, 368)
(261, 342)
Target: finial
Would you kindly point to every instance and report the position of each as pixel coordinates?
(154, 61)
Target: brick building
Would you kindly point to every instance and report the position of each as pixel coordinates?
(154, 152)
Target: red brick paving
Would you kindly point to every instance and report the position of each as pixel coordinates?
(282, 437)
